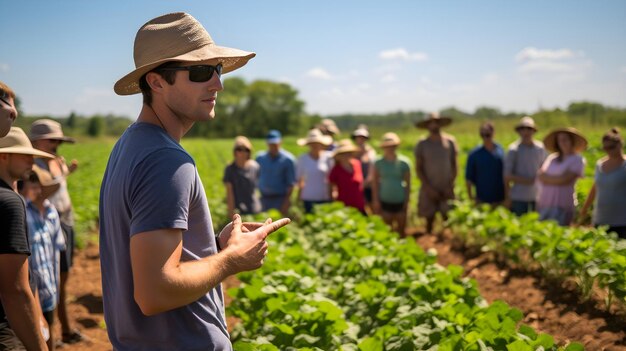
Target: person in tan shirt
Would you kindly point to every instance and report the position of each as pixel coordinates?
(436, 168)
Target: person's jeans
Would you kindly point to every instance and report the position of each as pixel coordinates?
(308, 205)
(522, 207)
(273, 201)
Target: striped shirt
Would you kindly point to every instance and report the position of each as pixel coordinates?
(46, 242)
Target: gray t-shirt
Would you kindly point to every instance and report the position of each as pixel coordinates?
(524, 161)
(611, 196)
(152, 183)
(244, 182)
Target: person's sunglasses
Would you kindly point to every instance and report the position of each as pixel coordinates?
(486, 135)
(5, 98)
(243, 149)
(198, 73)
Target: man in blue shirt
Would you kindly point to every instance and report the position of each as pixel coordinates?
(277, 176)
(484, 169)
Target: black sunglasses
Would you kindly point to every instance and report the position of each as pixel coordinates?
(198, 73)
(242, 149)
(5, 98)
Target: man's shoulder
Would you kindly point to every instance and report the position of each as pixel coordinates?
(287, 154)
(10, 199)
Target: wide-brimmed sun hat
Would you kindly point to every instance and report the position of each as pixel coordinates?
(361, 131)
(580, 142)
(49, 185)
(329, 126)
(16, 142)
(242, 141)
(389, 139)
(176, 37)
(315, 136)
(345, 146)
(526, 122)
(48, 129)
(434, 116)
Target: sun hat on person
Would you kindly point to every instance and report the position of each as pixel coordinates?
(389, 139)
(329, 126)
(315, 136)
(580, 142)
(176, 37)
(433, 116)
(16, 142)
(48, 129)
(361, 131)
(526, 122)
(49, 185)
(345, 146)
(273, 137)
(242, 141)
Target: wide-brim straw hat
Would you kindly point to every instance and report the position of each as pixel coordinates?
(329, 125)
(315, 136)
(345, 146)
(389, 139)
(16, 142)
(49, 185)
(242, 141)
(48, 129)
(362, 132)
(176, 37)
(580, 142)
(434, 116)
(526, 122)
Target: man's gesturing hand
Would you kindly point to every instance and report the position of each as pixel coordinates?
(248, 249)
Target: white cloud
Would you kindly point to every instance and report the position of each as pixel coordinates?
(319, 73)
(490, 78)
(4, 67)
(388, 78)
(531, 53)
(402, 54)
(546, 64)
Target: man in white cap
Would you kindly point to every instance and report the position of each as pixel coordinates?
(162, 266)
(8, 112)
(20, 315)
(523, 159)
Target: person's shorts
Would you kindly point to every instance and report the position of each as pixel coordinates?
(67, 256)
(273, 201)
(367, 192)
(8, 340)
(391, 207)
(522, 207)
(427, 207)
(562, 216)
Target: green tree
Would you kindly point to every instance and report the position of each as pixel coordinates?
(95, 127)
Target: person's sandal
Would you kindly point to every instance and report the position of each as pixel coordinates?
(73, 337)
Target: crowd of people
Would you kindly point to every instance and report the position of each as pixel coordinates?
(530, 176)
(162, 263)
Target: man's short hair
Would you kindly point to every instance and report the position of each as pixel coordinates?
(168, 75)
(487, 125)
(6, 91)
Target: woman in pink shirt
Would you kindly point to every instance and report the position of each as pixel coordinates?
(559, 174)
(347, 176)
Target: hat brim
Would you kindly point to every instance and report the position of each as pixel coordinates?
(520, 126)
(580, 142)
(345, 151)
(53, 137)
(25, 151)
(273, 140)
(230, 58)
(326, 140)
(443, 121)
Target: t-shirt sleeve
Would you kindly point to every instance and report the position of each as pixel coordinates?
(470, 169)
(227, 175)
(577, 166)
(13, 237)
(161, 190)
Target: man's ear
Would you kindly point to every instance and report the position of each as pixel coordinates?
(155, 81)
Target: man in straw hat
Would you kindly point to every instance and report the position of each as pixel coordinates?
(523, 159)
(8, 112)
(559, 173)
(329, 127)
(436, 168)
(20, 316)
(47, 135)
(312, 170)
(277, 176)
(391, 184)
(161, 292)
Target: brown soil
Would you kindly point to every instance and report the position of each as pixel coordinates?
(547, 307)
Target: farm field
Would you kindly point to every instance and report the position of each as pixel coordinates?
(603, 330)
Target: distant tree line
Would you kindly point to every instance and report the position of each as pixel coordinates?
(252, 109)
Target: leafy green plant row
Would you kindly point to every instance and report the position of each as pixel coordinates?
(590, 255)
(342, 281)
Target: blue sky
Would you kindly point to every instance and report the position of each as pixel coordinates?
(342, 56)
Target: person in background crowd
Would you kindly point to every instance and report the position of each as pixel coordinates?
(328, 127)
(366, 156)
(240, 179)
(20, 316)
(312, 170)
(46, 241)
(277, 175)
(8, 112)
(391, 184)
(436, 168)
(523, 160)
(559, 173)
(47, 135)
(609, 188)
(484, 169)
(347, 176)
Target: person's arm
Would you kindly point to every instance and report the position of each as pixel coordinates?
(419, 164)
(230, 199)
(375, 186)
(291, 180)
(590, 198)
(563, 179)
(163, 282)
(407, 189)
(18, 301)
(300, 187)
(469, 177)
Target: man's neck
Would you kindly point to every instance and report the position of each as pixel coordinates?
(435, 135)
(160, 115)
(528, 141)
(489, 145)
(4, 175)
